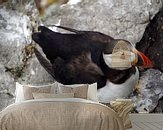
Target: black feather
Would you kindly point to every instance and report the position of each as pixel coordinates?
(44, 62)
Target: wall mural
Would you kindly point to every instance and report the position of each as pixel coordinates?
(22, 66)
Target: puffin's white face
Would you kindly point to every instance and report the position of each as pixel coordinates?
(123, 56)
(118, 60)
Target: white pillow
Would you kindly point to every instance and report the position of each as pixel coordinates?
(92, 90)
(49, 95)
(20, 90)
(19, 95)
(91, 95)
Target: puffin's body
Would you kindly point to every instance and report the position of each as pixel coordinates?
(84, 57)
(75, 58)
(111, 91)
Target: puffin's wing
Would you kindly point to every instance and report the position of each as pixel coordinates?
(96, 41)
(78, 70)
(55, 44)
(45, 63)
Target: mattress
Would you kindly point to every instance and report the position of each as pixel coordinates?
(59, 114)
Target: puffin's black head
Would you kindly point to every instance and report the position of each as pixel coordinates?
(44, 38)
(121, 54)
(41, 36)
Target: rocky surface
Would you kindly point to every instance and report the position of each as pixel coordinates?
(159, 107)
(15, 34)
(151, 90)
(120, 19)
(152, 42)
(151, 81)
(125, 19)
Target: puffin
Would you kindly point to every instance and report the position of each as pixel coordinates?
(85, 57)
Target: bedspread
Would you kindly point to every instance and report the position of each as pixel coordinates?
(59, 114)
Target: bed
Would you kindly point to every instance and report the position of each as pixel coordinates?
(59, 114)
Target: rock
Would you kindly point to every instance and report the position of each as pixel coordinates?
(159, 107)
(120, 19)
(15, 34)
(152, 42)
(151, 82)
(151, 88)
(5, 100)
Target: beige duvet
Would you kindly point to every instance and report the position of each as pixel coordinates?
(59, 114)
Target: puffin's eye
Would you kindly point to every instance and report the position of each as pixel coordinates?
(122, 53)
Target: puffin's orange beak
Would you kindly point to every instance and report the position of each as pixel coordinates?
(147, 63)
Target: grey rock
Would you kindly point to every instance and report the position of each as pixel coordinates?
(159, 108)
(151, 88)
(14, 36)
(5, 100)
(120, 19)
